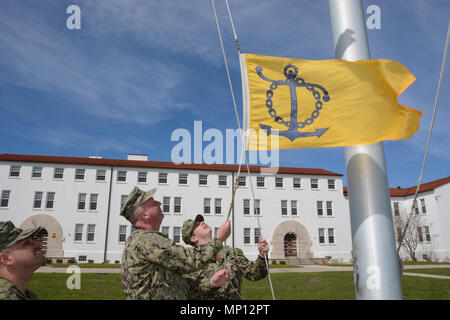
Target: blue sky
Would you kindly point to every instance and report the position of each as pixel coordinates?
(138, 70)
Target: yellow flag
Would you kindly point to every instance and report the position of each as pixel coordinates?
(324, 103)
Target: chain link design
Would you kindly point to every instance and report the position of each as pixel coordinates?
(279, 119)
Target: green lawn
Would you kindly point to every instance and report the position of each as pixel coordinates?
(282, 266)
(84, 265)
(287, 286)
(437, 271)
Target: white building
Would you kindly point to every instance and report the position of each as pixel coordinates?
(303, 213)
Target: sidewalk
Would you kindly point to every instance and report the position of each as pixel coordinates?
(305, 268)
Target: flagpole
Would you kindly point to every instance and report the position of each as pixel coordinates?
(375, 262)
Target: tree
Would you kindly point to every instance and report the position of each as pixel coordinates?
(413, 235)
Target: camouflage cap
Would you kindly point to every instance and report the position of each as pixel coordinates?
(134, 200)
(10, 235)
(188, 228)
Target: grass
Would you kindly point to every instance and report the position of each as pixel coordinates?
(53, 286)
(286, 286)
(437, 271)
(281, 266)
(84, 265)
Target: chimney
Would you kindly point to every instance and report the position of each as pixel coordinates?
(139, 157)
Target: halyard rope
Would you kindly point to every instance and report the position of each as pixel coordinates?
(428, 141)
(241, 133)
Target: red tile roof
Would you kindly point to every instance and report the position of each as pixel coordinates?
(403, 192)
(156, 164)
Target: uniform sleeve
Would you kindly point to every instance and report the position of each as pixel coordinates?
(199, 285)
(251, 270)
(164, 252)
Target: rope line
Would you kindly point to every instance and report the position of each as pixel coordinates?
(428, 141)
(241, 133)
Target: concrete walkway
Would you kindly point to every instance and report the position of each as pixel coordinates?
(305, 268)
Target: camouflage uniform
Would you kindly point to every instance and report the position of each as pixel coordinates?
(8, 291)
(237, 264)
(10, 235)
(152, 265)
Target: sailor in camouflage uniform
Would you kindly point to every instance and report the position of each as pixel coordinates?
(152, 264)
(21, 254)
(196, 232)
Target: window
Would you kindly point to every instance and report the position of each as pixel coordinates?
(396, 209)
(50, 200)
(37, 199)
(82, 258)
(123, 198)
(260, 182)
(58, 173)
(284, 207)
(203, 179)
(294, 207)
(329, 208)
(399, 234)
(93, 201)
(241, 181)
(331, 185)
(218, 206)
(206, 205)
(121, 176)
(142, 177)
(246, 206)
(78, 232)
(257, 235)
(331, 236)
(183, 178)
(297, 183)
(90, 232)
(257, 205)
(427, 234)
(422, 203)
(79, 174)
(165, 231)
(419, 233)
(122, 233)
(222, 180)
(321, 235)
(166, 204)
(162, 177)
(81, 201)
(5, 198)
(177, 205)
(246, 235)
(314, 184)
(14, 171)
(416, 208)
(320, 208)
(100, 175)
(176, 234)
(37, 172)
(279, 182)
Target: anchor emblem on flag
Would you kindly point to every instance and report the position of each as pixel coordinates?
(292, 133)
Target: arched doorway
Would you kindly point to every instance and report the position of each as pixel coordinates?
(54, 233)
(290, 245)
(294, 237)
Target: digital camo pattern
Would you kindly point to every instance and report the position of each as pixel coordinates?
(152, 266)
(10, 292)
(238, 266)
